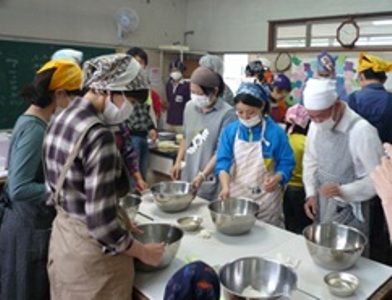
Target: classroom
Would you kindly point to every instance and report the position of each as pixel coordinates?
(195, 149)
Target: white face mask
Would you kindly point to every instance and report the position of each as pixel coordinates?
(176, 75)
(327, 124)
(201, 100)
(250, 122)
(114, 115)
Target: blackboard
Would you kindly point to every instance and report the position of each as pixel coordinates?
(19, 62)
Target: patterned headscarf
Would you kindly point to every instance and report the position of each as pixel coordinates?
(325, 62)
(67, 76)
(114, 72)
(194, 281)
(254, 89)
(377, 64)
(297, 115)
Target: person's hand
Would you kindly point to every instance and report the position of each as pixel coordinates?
(132, 227)
(310, 207)
(175, 171)
(141, 185)
(153, 253)
(196, 182)
(224, 194)
(271, 183)
(330, 190)
(382, 176)
(153, 134)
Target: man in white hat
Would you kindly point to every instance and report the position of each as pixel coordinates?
(341, 150)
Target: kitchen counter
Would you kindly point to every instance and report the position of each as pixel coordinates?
(263, 240)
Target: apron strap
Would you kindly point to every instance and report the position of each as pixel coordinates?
(70, 160)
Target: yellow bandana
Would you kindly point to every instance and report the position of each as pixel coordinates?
(68, 75)
(377, 64)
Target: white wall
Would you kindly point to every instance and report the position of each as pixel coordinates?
(242, 25)
(92, 21)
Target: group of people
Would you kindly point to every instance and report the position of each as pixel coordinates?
(81, 145)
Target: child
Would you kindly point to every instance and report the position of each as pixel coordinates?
(280, 88)
(297, 124)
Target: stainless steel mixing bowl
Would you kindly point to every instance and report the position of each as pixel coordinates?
(172, 196)
(233, 216)
(341, 284)
(130, 203)
(159, 233)
(334, 246)
(251, 278)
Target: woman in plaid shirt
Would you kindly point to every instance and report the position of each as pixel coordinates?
(91, 254)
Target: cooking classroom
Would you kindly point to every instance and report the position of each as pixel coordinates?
(195, 150)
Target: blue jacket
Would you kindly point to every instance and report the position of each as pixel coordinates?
(374, 103)
(276, 152)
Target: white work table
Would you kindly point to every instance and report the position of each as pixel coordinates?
(263, 240)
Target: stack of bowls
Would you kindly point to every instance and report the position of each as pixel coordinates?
(233, 216)
(253, 278)
(159, 233)
(172, 196)
(334, 246)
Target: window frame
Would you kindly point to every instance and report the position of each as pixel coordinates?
(308, 22)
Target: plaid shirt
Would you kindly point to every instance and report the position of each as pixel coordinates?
(140, 121)
(89, 190)
(128, 151)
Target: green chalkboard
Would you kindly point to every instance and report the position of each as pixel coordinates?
(19, 62)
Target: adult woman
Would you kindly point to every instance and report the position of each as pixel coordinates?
(83, 175)
(259, 152)
(177, 95)
(25, 229)
(204, 116)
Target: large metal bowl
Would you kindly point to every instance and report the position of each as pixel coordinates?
(130, 203)
(159, 233)
(233, 216)
(172, 196)
(334, 246)
(253, 278)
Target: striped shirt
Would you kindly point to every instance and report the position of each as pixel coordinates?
(89, 190)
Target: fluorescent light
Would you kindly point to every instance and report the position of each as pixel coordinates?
(382, 22)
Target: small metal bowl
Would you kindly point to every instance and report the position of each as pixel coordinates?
(341, 284)
(190, 223)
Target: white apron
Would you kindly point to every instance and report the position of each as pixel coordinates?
(249, 171)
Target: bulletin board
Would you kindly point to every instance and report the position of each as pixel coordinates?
(304, 68)
(19, 62)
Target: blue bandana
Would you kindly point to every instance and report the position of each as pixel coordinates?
(194, 281)
(254, 89)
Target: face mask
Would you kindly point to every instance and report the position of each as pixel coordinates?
(328, 124)
(176, 75)
(250, 122)
(114, 115)
(201, 100)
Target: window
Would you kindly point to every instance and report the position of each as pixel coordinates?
(375, 31)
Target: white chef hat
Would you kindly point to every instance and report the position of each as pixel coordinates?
(319, 93)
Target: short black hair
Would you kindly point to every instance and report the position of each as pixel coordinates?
(297, 128)
(136, 51)
(38, 92)
(252, 101)
(370, 74)
(140, 96)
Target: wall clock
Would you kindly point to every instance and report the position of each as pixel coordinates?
(347, 33)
